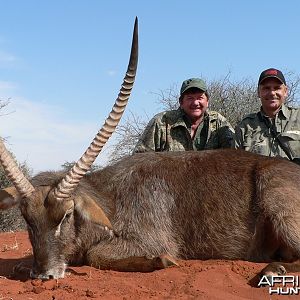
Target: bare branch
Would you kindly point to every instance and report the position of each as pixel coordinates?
(232, 98)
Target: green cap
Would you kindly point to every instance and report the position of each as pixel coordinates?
(193, 83)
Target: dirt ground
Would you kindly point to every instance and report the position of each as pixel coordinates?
(213, 279)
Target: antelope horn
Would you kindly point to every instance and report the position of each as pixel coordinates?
(83, 165)
(13, 172)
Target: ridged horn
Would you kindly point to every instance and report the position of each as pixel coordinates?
(83, 165)
(13, 172)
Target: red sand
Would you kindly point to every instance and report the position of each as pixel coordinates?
(213, 279)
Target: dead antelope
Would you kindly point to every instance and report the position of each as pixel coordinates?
(148, 210)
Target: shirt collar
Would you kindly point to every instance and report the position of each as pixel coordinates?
(283, 112)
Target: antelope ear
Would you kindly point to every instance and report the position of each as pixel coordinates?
(90, 210)
(9, 197)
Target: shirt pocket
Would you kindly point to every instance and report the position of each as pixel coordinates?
(292, 138)
(255, 143)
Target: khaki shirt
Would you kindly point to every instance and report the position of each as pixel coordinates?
(253, 133)
(170, 131)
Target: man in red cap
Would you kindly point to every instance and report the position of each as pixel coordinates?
(275, 129)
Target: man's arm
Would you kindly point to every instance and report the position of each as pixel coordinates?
(225, 133)
(148, 139)
(239, 137)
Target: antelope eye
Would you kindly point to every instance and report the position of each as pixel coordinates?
(68, 213)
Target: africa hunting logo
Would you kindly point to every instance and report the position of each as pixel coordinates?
(281, 285)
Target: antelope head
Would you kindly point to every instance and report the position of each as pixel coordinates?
(49, 208)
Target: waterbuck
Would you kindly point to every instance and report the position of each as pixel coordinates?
(149, 210)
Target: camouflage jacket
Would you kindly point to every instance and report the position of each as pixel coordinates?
(254, 134)
(170, 131)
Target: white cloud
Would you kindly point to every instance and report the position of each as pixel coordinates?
(43, 136)
(7, 85)
(7, 57)
(112, 73)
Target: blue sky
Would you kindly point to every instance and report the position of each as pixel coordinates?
(62, 62)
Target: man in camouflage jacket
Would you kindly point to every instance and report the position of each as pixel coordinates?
(275, 129)
(191, 127)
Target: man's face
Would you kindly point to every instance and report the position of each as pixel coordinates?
(272, 93)
(194, 104)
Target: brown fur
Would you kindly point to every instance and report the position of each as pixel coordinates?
(226, 204)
